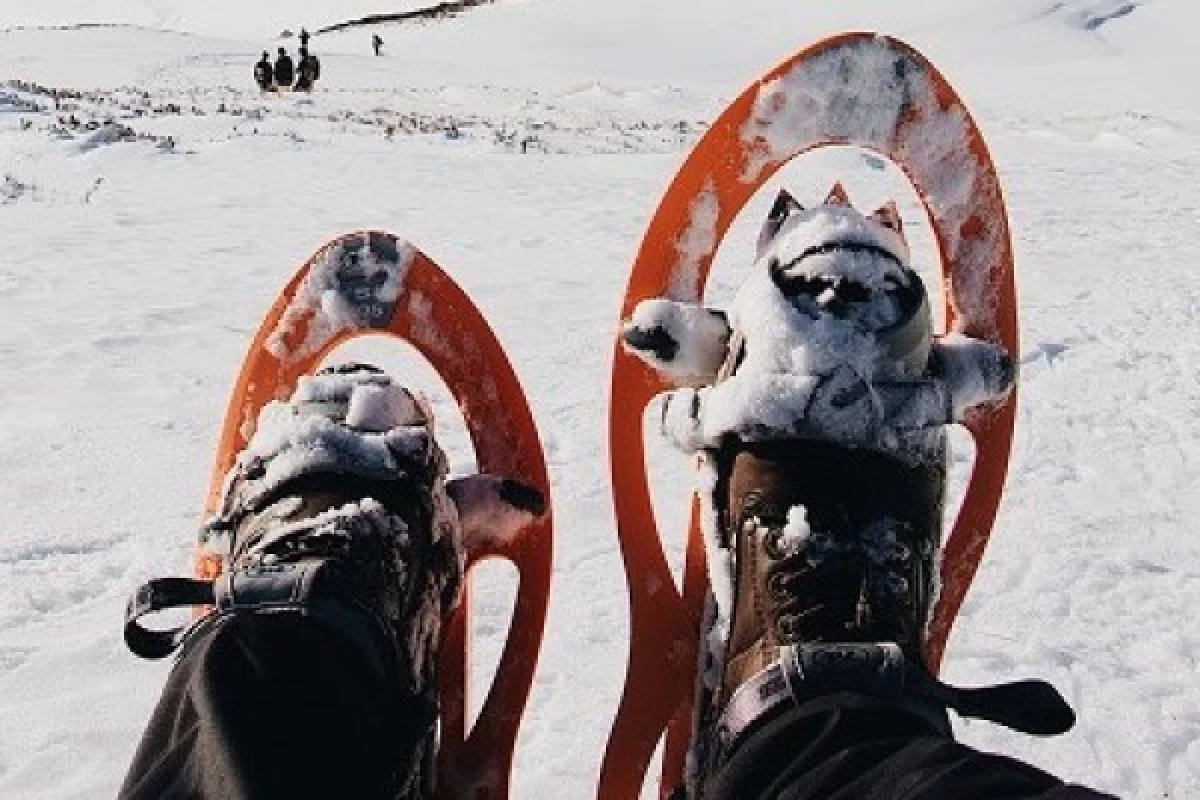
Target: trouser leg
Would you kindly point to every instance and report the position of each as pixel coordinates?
(268, 706)
(849, 747)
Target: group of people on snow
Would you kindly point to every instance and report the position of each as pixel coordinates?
(284, 73)
(298, 75)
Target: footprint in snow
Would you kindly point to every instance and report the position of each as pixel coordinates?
(1042, 355)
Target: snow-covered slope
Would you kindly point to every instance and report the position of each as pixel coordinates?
(524, 145)
(263, 18)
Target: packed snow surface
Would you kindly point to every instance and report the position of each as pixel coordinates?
(153, 203)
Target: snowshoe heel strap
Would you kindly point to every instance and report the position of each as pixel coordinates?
(308, 588)
(158, 595)
(881, 670)
(1029, 706)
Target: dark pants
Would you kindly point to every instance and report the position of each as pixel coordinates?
(851, 747)
(268, 706)
(275, 706)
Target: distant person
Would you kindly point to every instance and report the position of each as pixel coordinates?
(377, 44)
(284, 69)
(264, 74)
(305, 72)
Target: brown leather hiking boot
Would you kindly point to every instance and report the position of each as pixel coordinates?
(818, 401)
(835, 552)
(831, 545)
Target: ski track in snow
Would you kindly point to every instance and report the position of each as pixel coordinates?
(133, 273)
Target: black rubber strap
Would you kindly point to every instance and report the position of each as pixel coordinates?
(1030, 706)
(159, 595)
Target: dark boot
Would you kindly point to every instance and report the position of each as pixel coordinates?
(338, 513)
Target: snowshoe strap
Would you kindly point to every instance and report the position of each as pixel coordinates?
(1029, 706)
(158, 595)
(302, 587)
(881, 670)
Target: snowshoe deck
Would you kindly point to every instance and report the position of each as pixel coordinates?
(372, 283)
(852, 89)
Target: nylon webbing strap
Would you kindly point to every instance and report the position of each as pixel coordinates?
(804, 672)
(273, 588)
(159, 595)
(278, 588)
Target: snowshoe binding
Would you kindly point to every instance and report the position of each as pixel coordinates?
(823, 433)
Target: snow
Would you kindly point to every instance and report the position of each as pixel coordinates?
(842, 354)
(363, 425)
(349, 286)
(695, 244)
(131, 279)
(377, 408)
(700, 338)
(270, 17)
(821, 98)
(795, 531)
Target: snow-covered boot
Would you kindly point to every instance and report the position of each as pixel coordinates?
(833, 520)
(818, 404)
(830, 466)
(339, 510)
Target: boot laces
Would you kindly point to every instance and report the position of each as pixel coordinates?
(810, 581)
(364, 536)
(297, 542)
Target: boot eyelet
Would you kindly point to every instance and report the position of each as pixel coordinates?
(787, 627)
(776, 588)
(771, 543)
